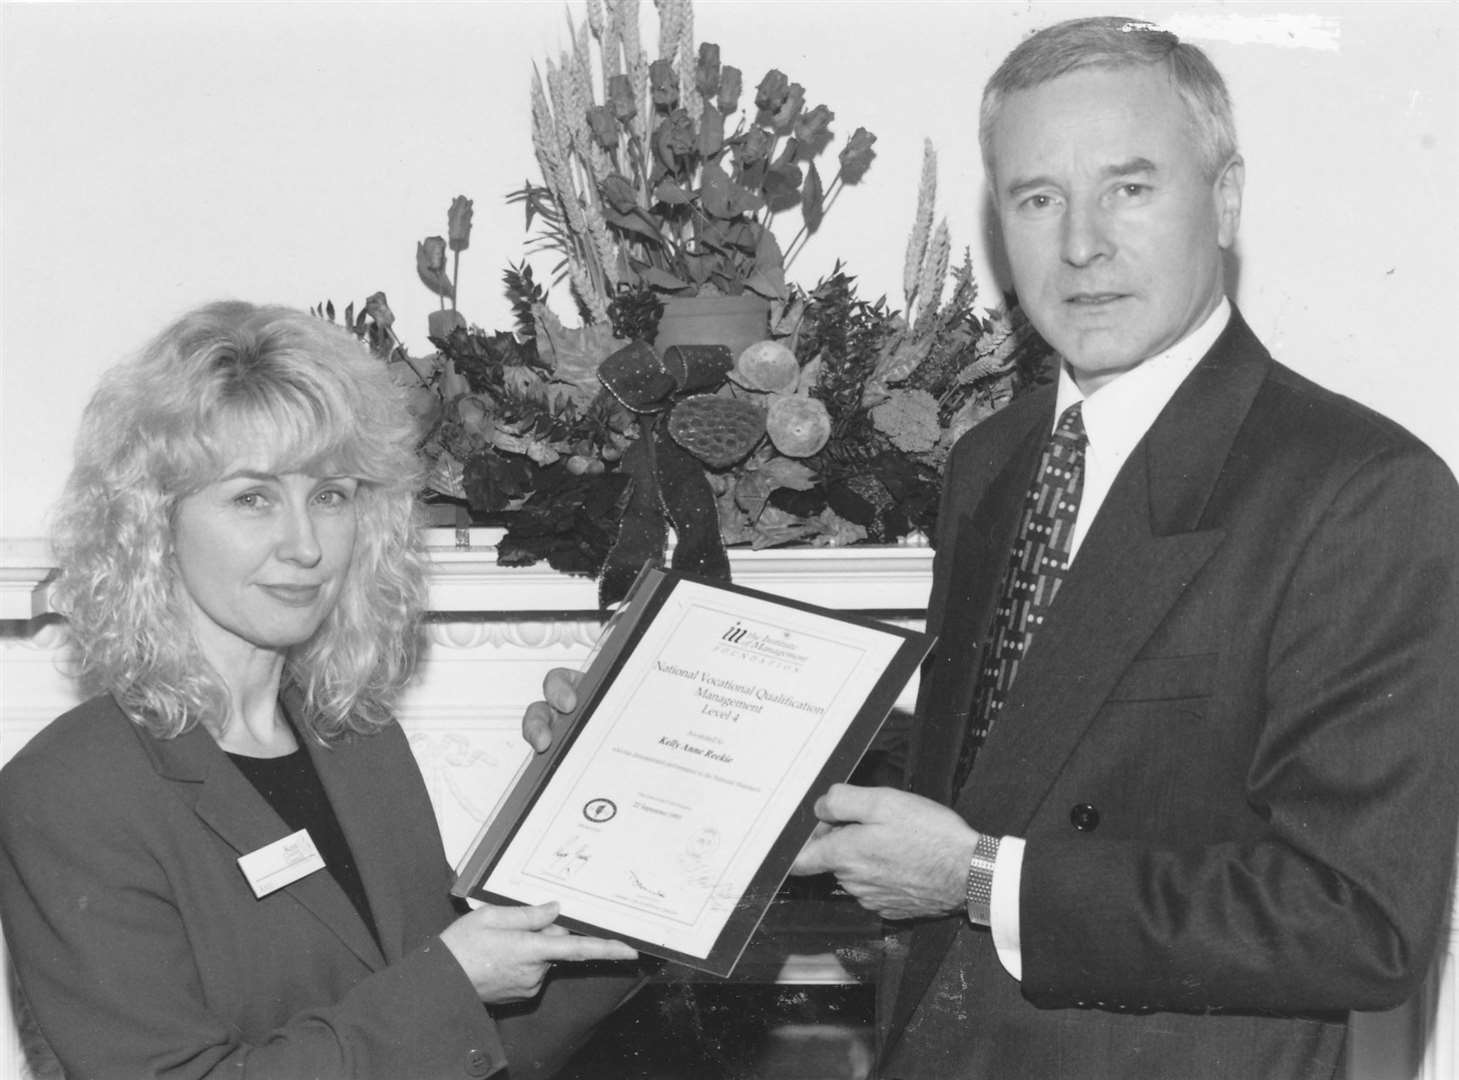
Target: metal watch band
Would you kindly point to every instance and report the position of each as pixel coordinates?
(980, 879)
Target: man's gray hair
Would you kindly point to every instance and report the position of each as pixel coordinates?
(1115, 42)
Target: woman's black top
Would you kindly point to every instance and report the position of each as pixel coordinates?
(291, 785)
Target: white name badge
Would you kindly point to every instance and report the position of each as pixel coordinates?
(281, 863)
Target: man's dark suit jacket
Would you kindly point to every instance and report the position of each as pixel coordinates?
(144, 953)
(1232, 748)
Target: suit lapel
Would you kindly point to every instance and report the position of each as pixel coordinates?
(227, 803)
(963, 612)
(366, 815)
(1105, 611)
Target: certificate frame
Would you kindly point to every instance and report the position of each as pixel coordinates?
(755, 844)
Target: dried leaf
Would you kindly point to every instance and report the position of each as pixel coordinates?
(662, 279)
(669, 192)
(811, 206)
(711, 131)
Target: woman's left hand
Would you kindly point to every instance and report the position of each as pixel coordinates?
(506, 952)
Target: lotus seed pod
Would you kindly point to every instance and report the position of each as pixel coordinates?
(768, 366)
(719, 431)
(798, 426)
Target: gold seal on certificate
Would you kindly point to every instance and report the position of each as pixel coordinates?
(711, 717)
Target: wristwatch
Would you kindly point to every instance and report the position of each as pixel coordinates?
(980, 879)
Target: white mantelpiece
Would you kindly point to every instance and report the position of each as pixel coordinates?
(467, 579)
(496, 631)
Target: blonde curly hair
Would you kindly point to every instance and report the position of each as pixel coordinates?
(163, 425)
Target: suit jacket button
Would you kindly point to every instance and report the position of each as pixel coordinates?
(478, 1064)
(1084, 817)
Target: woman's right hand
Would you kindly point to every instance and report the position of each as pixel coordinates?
(506, 952)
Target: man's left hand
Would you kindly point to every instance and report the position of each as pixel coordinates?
(901, 855)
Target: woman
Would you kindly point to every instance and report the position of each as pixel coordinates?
(243, 580)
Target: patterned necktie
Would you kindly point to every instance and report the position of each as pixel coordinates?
(1036, 567)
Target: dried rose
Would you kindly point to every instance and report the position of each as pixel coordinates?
(458, 223)
(798, 426)
(706, 72)
(430, 264)
(856, 155)
(604, 126)
(768, 366)
(810, 126)
(663, 84)
(755, 145)
(621, 98)
(377, 308)
(675, 138)
(790, 108)
(774, 88)
(730, 81)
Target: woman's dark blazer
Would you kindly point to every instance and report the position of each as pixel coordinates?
(143, 952)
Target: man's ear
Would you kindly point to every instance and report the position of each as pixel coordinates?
(1227, 193)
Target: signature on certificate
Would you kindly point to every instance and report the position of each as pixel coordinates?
(571, 857)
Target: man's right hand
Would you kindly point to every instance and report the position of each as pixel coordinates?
(543, 720)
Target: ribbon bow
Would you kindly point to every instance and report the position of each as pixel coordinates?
(683, 427)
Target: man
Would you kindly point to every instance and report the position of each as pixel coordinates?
(1187, 740)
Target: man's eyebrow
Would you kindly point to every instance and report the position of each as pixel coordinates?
(1133, 167)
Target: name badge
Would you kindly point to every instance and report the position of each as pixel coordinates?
(281, 863)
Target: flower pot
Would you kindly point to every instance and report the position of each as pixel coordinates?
(732, 321)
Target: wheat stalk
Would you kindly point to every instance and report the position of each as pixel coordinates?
(671, 24)
(606, 248)
(611, 45)
(627, 22)
(934, 273)
(635, 63)
(579, 86)
(921, 225)
(546, 140)
(586, 291)
(689, 96)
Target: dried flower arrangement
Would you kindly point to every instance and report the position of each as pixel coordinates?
(672, 182)
(587, 443)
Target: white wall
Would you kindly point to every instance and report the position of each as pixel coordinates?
(156, 156)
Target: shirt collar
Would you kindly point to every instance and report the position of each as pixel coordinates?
(1117, 415)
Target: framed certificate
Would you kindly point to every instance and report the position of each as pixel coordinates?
(710, 719)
